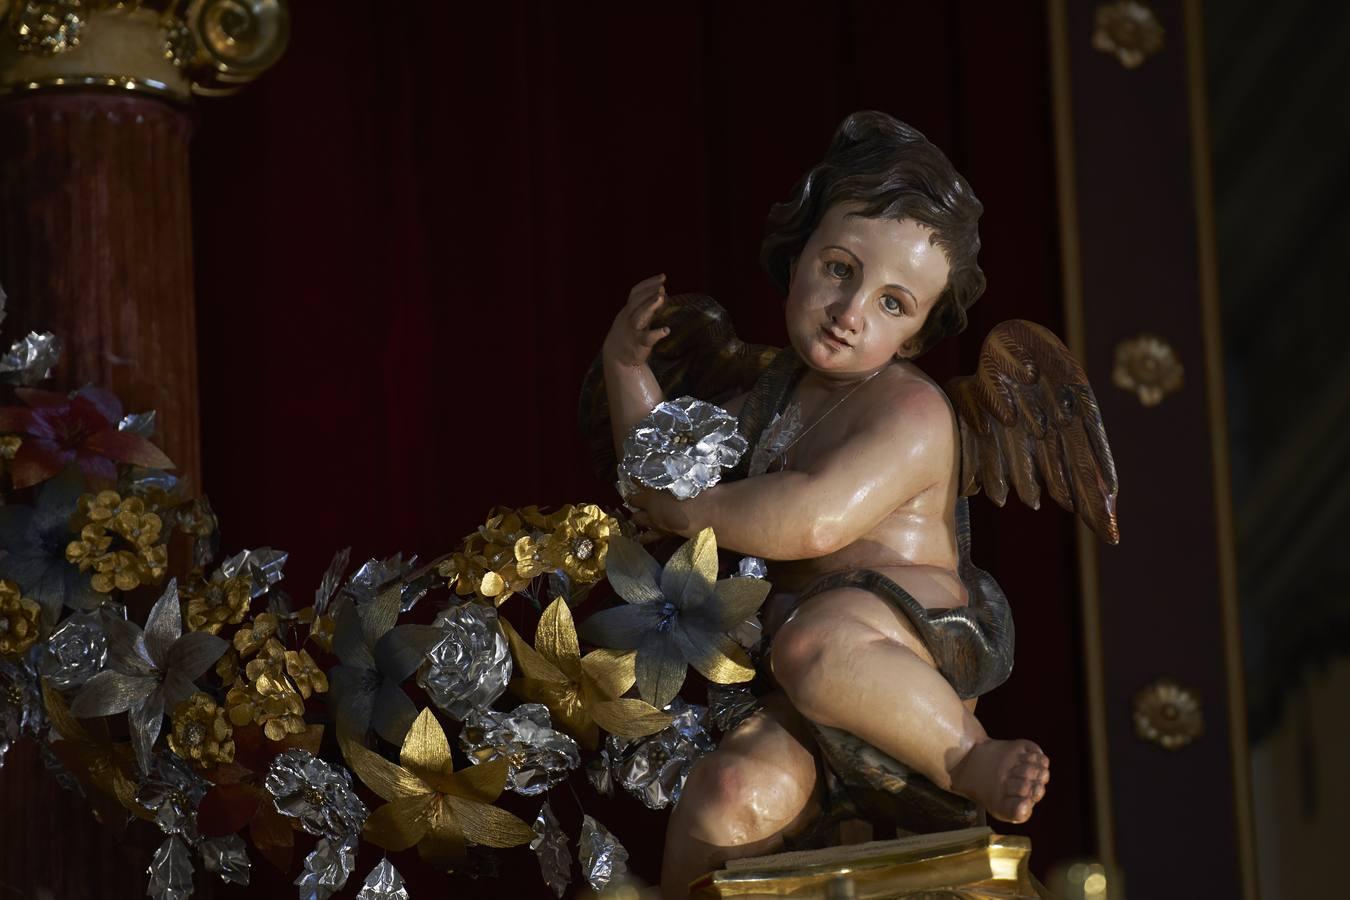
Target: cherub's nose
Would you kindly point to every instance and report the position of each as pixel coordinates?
(846, 313)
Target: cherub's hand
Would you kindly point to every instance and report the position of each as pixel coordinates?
(660, 511)
(631, 337)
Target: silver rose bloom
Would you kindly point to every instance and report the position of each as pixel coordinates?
(550, 845)
(226, 856)
(383, 883)
(327, 868)
(539, 756)
(751, 567)
(318, 794)
(469, 666)
(653, 768)
(603, 858)
(682, 446)
(170, 871)
(76, 651)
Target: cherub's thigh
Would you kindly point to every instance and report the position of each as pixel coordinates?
(850, 613)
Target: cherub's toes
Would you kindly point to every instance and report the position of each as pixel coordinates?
(1027, 771)
(1019, 787)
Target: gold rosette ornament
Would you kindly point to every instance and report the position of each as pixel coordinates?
(18, 620)
(429, 803)
(1149, 367)
(582, 540)
(201, 734)
(676, 616)
(584, 694)
(1168, 714)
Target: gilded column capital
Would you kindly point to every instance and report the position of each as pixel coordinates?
(169, 48)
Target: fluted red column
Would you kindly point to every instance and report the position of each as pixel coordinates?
(96, 246)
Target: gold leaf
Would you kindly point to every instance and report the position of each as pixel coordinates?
(483, 782)
(692, 568)
(443, 844)
(612, 671)
(425, 751)
(66, 724)
(728, 663)
(556, 639)
(488, 825)
(388, 780)
(528, 660)
(629, 718)
(400, 823)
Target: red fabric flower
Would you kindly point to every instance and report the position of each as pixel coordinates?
(59, 430)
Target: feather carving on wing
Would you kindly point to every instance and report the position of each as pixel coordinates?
(1028, 418)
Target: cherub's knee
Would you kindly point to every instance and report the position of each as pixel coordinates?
(738, 800)
(800, 659)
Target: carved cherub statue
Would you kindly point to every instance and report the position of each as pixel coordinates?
(853, 493)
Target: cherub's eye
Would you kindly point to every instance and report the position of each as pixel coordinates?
(837, 269)
(892, 304)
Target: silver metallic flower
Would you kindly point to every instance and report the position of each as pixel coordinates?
(228, 857)
(327, 868)
(365, 583)
(653, 768)
(148, 671)
(30, 360)
(539, 756)
(172, 791)
(550, 845)
(603, 858)
(469, 666)
(599, 772)
(170, 871)
(315, 792)
(377, 656)
(76, 651)
(263, 566)
(21, 709)
(383, 883)
(682, 446)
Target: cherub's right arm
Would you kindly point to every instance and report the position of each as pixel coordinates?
(629, 383)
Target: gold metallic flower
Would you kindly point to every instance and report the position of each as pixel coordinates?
(583, 541)
(9, 445)
(18, 620)
(1168, 714)
(251, 638)
(270, 702)
(321, 628)
(584, 694)
(227, 667)
(214, 604)
(535, 555)
(1148, 366)
(123, 569)
(1129, 30)
(308, 678)
(201, 733)
(429, 803)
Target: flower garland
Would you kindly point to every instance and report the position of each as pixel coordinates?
(231, 719)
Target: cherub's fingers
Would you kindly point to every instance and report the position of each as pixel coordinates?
(642, 316)
(650, 338)
(644, 287)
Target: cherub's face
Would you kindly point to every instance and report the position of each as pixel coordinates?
(861, 290)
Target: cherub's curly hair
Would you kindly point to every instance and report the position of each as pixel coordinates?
(895, 173)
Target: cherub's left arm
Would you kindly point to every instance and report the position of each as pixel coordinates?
(905, 448)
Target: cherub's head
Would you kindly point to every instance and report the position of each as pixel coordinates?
(885, 192)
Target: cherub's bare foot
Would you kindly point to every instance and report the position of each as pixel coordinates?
(1007, 778)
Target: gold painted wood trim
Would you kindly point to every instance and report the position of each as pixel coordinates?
(1215, 393)
(1075, 320)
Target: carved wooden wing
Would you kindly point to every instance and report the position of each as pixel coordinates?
(1028, 416)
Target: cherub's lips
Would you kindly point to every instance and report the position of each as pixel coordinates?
(834, 338)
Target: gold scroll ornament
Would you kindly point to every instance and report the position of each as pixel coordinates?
(168, 48)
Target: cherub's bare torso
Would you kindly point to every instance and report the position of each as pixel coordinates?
(915, 545)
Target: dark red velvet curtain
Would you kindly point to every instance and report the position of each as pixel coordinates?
(412, 235)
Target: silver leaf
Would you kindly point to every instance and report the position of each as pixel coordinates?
(603, 858)
(31, 359)
(142, 424)
(550, 844)
(170, 872)
(228, 857)
(383, 883)
(327, 869)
